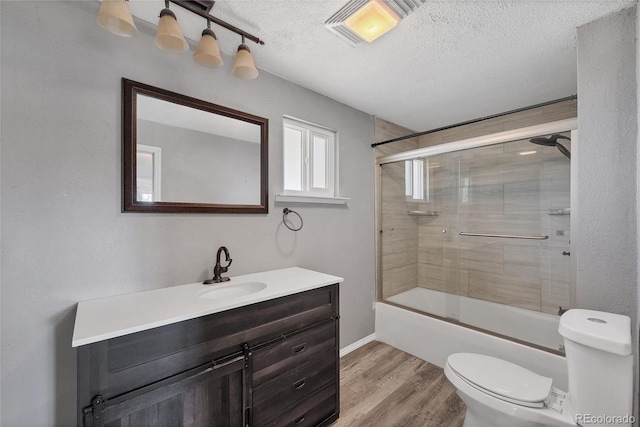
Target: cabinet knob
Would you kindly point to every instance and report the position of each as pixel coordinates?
(300, 419)
(298, 384)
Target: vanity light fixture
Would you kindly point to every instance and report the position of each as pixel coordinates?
(372, 20)
(208, 52)
(169, 36)
(243, 66)
(115, 17)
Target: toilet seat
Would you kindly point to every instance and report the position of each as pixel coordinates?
(501, 379)
(539, 404)
(556, 413)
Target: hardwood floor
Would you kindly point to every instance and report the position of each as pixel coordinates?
(384, 387)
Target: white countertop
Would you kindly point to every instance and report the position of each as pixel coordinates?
(104, 318)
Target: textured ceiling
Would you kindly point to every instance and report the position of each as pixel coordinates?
(447, 62)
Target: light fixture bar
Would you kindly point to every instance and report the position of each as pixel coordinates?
(199, 9)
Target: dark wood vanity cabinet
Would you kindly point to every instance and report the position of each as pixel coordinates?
(274, 363)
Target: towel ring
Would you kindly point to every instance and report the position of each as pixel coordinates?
(287, 211)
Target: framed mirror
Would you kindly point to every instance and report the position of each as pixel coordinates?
(185, 155)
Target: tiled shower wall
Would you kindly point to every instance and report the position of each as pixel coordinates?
(500, 191)
(497, 190)
(399, 235)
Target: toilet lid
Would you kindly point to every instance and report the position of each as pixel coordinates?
(500, 377)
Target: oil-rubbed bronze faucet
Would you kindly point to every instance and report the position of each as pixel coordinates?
(219, 269)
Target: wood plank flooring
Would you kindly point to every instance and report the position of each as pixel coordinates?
(382, 386)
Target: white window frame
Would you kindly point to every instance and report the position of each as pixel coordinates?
(156, 180)
(417, 178)
(309, 130)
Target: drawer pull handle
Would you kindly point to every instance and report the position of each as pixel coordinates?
(298, 384)
(300, 419)
(299, 348)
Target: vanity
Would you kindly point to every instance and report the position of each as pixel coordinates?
(259, 350)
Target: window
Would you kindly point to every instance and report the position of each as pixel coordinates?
(416, 180)
(148, 173)
(309, 159)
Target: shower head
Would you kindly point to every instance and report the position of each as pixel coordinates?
(552, 141)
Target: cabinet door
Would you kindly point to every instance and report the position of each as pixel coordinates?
(211, 396)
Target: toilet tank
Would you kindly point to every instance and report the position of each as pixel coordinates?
(600, 366)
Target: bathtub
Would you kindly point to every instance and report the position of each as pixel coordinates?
(526, 325)
(433, 339)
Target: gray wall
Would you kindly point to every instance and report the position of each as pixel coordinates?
(607, 113)
(226, 170)
(637, 375)
(64, 238)
(0, 219)
(607, 249)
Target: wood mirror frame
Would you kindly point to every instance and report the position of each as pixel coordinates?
(130, 202)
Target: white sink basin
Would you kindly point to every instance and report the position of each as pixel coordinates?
(232, 290)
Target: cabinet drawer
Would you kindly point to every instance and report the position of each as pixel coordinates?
(284, 391)
(293, 351)
(318, 409)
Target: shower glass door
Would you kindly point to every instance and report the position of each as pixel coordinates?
(419, 234)
(481, 236)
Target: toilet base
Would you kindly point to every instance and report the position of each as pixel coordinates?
(479, 415)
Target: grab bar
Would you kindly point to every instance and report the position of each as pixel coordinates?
(504, 236)
(423, 213)
(565, 211)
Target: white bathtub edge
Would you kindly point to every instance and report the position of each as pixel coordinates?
(434, 340)
(356, 345)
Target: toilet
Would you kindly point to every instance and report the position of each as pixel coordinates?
(600, 371)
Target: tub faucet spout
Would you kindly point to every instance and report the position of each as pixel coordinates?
(219, 268)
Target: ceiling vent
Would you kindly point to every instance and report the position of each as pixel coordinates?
(337, 23)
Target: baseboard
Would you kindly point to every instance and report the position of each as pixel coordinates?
(356, 345)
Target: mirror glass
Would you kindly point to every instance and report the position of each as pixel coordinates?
(181, 154)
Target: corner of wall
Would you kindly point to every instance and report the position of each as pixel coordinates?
(607, 115)
(636, 408)
(0, 218)
(608, 58)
